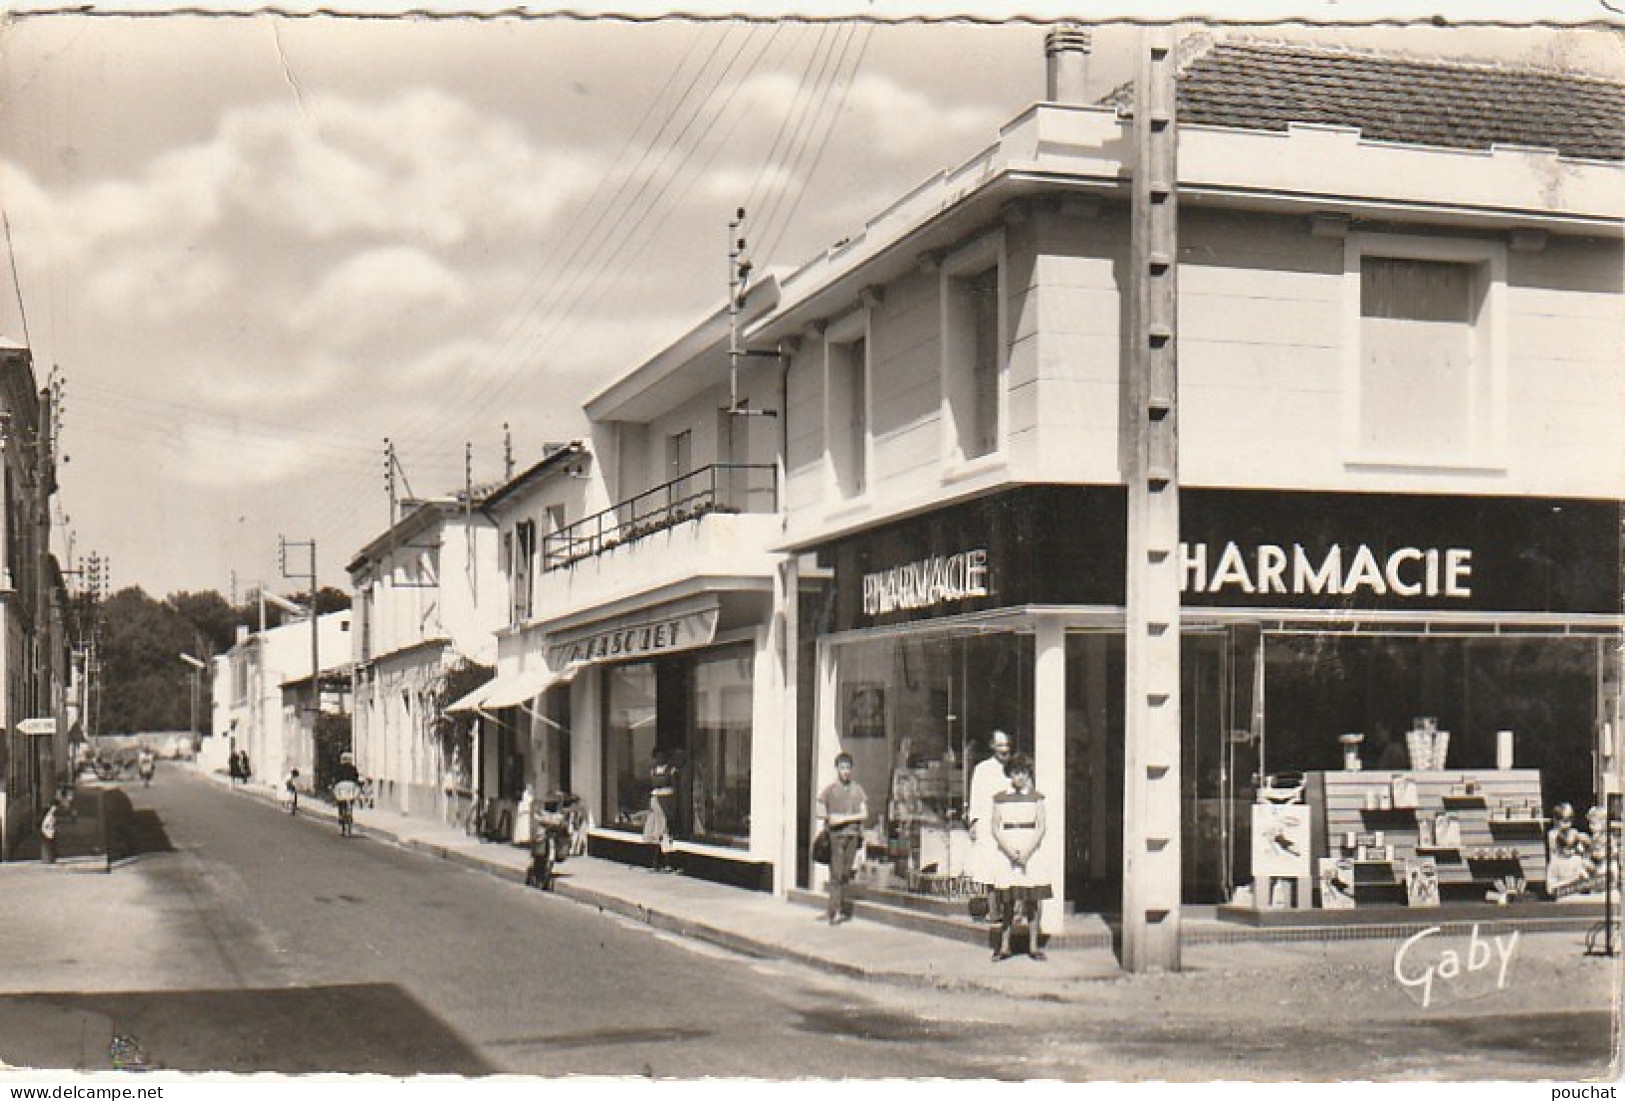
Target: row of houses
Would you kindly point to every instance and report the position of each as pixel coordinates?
(879, 504)
(39, 684)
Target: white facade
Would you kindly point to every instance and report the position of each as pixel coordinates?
(248, 691)
(427, 596)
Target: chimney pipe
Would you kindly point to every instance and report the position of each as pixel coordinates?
(1066, 57)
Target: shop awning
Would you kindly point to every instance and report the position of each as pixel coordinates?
(521, 687)
(472, 701)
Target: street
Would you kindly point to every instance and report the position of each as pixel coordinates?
(240, 939)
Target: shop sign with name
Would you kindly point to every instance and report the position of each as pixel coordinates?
(1336, 571)
(1240, 548)
(926, 583)
(652, 636)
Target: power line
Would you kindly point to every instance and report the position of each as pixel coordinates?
(16, 281)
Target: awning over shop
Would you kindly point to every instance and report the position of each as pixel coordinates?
(522, 687)
(510, 690)
(472, 701)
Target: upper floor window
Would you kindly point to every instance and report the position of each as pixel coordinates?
(521, 570)
(847, 367)
(1426, 369)
(973, 349)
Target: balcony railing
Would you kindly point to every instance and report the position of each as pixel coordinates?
(718, 488)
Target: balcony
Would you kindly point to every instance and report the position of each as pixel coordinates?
(706, 530)
(721, 488)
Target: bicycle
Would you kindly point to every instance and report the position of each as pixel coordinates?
(345, 793)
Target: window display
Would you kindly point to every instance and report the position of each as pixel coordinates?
(692, 715)
(915, 711)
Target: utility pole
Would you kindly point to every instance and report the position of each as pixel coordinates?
(507, 453)
(389, 476)
(315, 636)
(1151, 796)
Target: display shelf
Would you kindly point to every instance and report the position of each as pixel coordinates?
(1527, 823)
(1339, 811)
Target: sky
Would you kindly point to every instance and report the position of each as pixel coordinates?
(253, 248)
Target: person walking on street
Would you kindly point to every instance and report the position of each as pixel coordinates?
(290, 791)
(986, 780)
(843, 809)
(1018, 829)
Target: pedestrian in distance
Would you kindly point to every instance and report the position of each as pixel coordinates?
(47, 836)
(843, 808)
(290, 792)
(987, 779)
(248, 769)
(234, 767)
(1018, 828)
(145, 763)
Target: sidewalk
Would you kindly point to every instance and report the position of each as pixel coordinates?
(764, 926)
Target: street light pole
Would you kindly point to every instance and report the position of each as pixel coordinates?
(198, 665)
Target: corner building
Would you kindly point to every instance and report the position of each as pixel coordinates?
(1399, 407)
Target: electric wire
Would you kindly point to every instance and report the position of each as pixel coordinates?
(468, 403)
(818, 157)
(16, 281)
(564, 316)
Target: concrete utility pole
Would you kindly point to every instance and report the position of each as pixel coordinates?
(315, 616)
(1151, 810)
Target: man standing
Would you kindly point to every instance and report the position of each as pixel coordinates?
(986, 780)
(843, 808)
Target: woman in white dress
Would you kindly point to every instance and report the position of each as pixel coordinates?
(1018, 829)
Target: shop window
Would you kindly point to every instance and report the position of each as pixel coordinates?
(1544, 690)
(848, 419)
(719, 745)
(974, 351)
(1427, 379)
(629, 742)
(693, 713)
(916, 714)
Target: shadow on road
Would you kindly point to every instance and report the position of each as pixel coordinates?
(362, 1028)
(132, 833)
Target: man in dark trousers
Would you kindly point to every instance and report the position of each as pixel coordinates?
(843, 808)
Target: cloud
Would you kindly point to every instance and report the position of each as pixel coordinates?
(375, 291)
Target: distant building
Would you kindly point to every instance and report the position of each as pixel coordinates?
(249, 681)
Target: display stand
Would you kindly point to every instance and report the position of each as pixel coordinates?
(1480, 830)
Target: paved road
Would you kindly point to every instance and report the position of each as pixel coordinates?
(261, 942)
(283, 946)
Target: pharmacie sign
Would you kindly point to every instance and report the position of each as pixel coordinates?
(1238, 548)
(1272, 569)
(939, 579)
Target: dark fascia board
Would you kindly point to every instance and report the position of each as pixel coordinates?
(413, 524)
(575, 449)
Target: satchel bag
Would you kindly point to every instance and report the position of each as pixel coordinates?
(820, 847)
